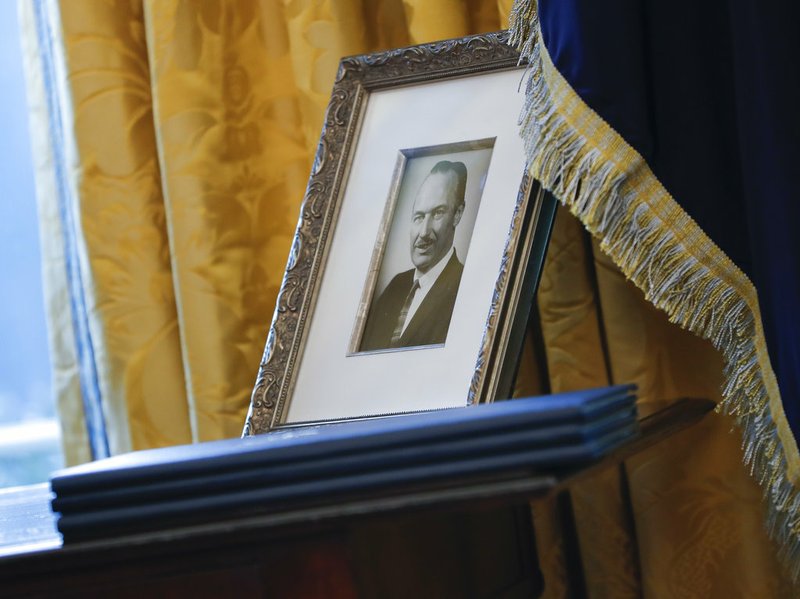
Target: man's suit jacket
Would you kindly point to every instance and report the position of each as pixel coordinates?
(430, 322)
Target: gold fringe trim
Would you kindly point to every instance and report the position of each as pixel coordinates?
(603, 181)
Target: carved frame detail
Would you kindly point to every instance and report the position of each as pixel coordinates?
(356, 78)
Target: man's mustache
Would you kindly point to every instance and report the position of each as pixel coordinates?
(423, 242)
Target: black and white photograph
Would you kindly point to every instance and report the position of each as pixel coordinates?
(412, 246)
(432, 207)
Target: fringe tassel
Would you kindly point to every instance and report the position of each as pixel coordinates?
(611, 200)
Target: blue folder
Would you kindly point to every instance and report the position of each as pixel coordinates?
(305, 465)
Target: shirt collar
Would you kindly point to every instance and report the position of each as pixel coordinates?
(429, 278)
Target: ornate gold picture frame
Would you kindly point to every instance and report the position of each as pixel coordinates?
(419, 244)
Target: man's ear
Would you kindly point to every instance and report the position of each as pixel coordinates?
(458, 214)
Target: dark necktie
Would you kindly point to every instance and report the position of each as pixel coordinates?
(401, 318)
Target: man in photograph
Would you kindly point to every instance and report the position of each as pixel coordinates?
(416, 306)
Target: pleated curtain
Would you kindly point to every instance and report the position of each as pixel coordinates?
(173, 141)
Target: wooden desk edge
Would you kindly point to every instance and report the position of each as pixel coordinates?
(519, 487)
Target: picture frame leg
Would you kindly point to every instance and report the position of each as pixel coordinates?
(573, 562)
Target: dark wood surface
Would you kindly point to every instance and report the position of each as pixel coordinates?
(439, 537)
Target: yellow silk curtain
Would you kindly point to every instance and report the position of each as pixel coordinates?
(189, 127)
(696, 527)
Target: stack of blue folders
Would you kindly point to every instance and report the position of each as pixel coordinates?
(296, 467)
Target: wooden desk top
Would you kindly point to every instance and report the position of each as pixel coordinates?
(31, 548)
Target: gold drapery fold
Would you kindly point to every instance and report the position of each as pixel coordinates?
(685, 519)
(101, 74)
(61, 333)
(224, 104)
(190, 126)
(697, 514)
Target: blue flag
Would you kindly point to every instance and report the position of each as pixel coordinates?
(672, 131)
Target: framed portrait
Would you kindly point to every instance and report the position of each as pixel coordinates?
(419, 243)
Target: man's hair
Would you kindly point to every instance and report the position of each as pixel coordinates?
(460, 171)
